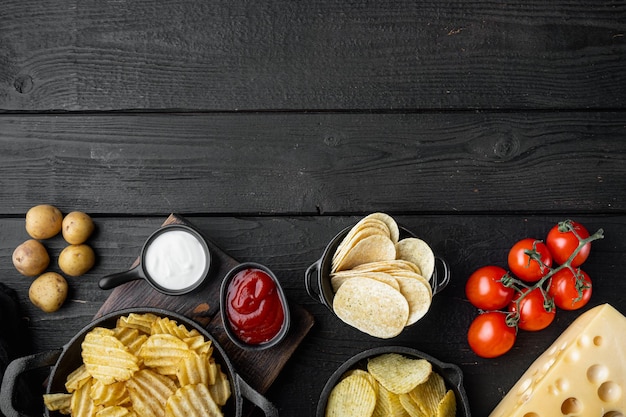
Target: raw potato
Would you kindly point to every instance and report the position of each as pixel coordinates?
(31, 258)
(75, 260)
(43, 221)
(77, 227)
(48, 291)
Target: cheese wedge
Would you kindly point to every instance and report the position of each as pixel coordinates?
(583, 373)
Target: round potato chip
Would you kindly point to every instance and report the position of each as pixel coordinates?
(339, 277)
(398, 373)
(371, 306)
(418, 294)
(419, 252)
(353, 396)
(356, 234)
(370, 249)
(394, 231)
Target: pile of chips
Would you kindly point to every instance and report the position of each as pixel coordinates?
(381, 282)
(393, 385)
(145, 366)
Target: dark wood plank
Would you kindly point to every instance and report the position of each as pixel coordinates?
(315, 163)
(289, 244)
(284, 55)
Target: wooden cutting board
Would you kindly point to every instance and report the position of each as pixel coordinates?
(258, 368)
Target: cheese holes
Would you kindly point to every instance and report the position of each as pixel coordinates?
(597, 374)
(571, 406)
(610, 392)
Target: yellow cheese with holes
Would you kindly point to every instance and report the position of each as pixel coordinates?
(583, 373)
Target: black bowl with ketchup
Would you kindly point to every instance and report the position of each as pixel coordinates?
(253, 307)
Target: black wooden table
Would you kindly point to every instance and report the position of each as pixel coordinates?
(272, 125)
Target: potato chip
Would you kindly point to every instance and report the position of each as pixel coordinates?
(364, 374)
(199, 345)
(394, 231)
(106, 358)
(372, 307)
(141, 322)
(77, 378)
(412, 408)
(339, 277)
(192, 400)
(163, 352)
(447, 405)
(417, 293)
(149, 391)
(370, 249)
(398, 373)
(220, 390)
(419, 252)
(357, 234)
(109, 394)
(388, 404)
(194, 369)
(429, 394)
(353, 396)
(116, 411)
(58, 402)
(169, 326)
(81, 403)
(388, 266)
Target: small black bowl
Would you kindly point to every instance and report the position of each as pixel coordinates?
(317, 276)
(280, 336)
(452, 375)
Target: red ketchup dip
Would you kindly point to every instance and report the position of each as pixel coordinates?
(254, 307)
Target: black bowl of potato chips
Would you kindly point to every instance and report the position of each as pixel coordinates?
(377, 276)
(142, 361)
(394, 380)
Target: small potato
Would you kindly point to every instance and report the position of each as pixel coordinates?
(48, 291)
(77, 227)
(43, 221)
(75, 260)
(31, 258)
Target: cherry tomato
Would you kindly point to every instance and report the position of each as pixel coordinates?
(489, 335)
(485, 291)
(562, 242)
(527, 268)
(533, 314)
(570, 293)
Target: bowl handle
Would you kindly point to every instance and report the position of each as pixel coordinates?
(256, 398)
(442, 277)
(309, 276)
(16, 368)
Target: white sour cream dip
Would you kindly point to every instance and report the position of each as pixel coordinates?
(175, 260)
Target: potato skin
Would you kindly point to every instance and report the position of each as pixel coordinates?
(77, 227)
(31, 258)
(48, 292)
(43, 221)
(76, 260)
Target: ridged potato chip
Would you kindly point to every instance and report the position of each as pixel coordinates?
(398, 373)
(81, 403)
(353, 396)
(149, 391)
(371, 306)
(106, 358)
(194, 369)
(429, 394)
(142, 322)
(58, 402)
(77, 378)
(192, 400)
(163, 352)
(220, 390)
(116, 411)
(447, 405)
(109, 394)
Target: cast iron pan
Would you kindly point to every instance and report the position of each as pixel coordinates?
(451, 374)
(68, 358)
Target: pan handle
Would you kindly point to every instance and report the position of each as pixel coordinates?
(309, 276)
(16, 368)
(256, 398)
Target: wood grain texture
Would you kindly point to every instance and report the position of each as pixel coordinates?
(315, 163)
(290, 244)
(329, 55)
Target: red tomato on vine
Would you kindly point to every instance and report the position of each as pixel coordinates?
(570, 291)
(490, 336)
(536, 312)
(529, 259)
(563, 240)
(485, 290)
